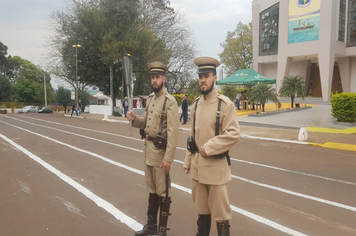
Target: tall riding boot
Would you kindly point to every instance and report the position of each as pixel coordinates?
(204, 224)
(163, 216)
(150, 229)
(223, 228)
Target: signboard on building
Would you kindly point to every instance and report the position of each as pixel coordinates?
(304, 18)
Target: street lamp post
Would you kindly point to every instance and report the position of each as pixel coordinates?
(76, 70)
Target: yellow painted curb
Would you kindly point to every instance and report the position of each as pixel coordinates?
(340, 146)
(334, 131)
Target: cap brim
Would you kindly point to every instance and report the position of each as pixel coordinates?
(205, 70)
(157, 73)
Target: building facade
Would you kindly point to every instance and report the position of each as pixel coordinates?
(315, 39)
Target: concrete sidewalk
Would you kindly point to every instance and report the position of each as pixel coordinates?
(285, 127)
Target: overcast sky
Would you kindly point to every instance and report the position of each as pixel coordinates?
(24, 24)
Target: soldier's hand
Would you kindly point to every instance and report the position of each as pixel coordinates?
(166, 165)
(130, 115)
(186, 170)
(202, 152)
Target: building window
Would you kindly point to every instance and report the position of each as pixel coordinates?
(342, 18)
(351, 24)
(269, 22)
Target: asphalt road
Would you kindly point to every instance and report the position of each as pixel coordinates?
(81, 177)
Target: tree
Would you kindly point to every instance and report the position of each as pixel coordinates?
(237, 53)
(27, 90)
(106, 30)
(293, 86)
(230, 91)
(84, 97)
(63, 97)
(193, 88)
(5, 89)
(262, 93)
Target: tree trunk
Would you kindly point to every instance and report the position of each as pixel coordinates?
(263, 107)
(292, 103)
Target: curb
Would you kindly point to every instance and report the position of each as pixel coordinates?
(338, 146)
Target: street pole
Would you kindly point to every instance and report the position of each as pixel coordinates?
(111, 90)
(45, 89)
(76, 70)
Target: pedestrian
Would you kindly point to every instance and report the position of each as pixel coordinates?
(73, 109)
(185, 105)
(215, 130)
(138, 104)
(125, 105)
(159, 128)
(80, 107)
(238, 96)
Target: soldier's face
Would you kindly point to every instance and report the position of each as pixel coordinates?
(157, 82)
(206, 82)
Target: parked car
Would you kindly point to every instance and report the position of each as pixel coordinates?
(45, 110)
(28, 109)
(87, 108)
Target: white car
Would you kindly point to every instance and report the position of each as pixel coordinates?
(28, 109)
(87, 108)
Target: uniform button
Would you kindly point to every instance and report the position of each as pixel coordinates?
(148, 126)
(149, 119)
(151, 111)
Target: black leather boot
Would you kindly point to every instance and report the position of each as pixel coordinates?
(223, 228)
(204, 225)
(150, 229)
(163, 216)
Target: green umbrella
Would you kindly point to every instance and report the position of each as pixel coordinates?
(245, 77)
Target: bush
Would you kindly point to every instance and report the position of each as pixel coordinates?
(343, 107)
(116, 113)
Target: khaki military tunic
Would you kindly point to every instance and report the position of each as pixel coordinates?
(153, 156)
(210, 171)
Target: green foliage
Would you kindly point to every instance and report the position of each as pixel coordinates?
(343, 107)
(193, 88)
(293, 86)
(5, 89)
(116, 113)
(84, 97)
(29, 91)
(262, 94)
(229, 91)
(237, 53)
(63, 97)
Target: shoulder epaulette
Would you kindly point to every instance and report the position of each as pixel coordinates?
(224, 98)
(169, 96)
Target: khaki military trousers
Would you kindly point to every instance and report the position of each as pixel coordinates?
(212, 199)
(156, 180)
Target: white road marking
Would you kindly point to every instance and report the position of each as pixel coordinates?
(336, 204)
(184, 149)
(234, 208)
(133, 224)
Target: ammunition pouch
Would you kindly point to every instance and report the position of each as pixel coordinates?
(160, 142)
(142, 133)
(191, 145)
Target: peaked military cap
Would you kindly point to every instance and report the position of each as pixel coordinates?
(157, 68)
(206, 64)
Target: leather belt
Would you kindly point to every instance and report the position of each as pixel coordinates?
(150, 138)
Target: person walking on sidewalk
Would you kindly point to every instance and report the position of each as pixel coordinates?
(238, 96)
(185, 105)
(159, 128)
(215, 130)
(73, 109)
(80, 107)
(125, 105)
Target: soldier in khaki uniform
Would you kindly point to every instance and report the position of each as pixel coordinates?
(209, 166)
(160, 120)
